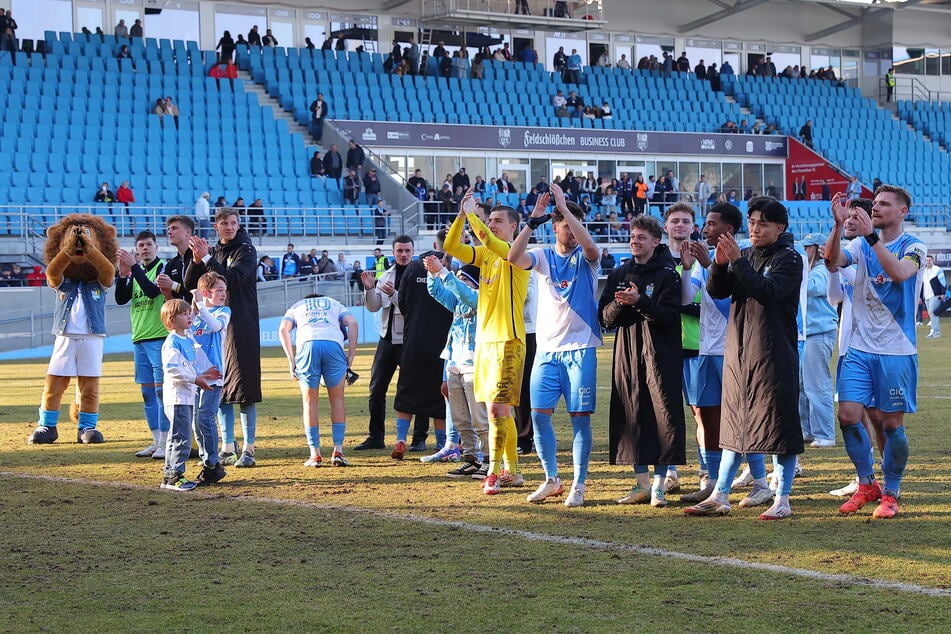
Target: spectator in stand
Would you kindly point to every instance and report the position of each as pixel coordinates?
(744, 127)
(266, 269)
(700, 70)
(341, 43)
(805, 133)
(308, 44)
(354, 277)
(356, 157)
(254, 36)
(269, 39)
(308, 263)
(560, 60)
(104, 195)
(124, 53)
(683, 64)
(351, 188)
(318, 112)
(380, 214)
(577, 114)
(324, 265)
(203, 216)
(136, 29)
(333, 163)
(121, 30)
(290, 263)
(317, 165)
(371, 187)
(729, 127)
(702, 190)
(124, 194)
(604, 60)
(573, 72)
(36, 277)
(171, 110)
(607, 261)
(623, 63)
(461, 179)
(257, 223)
(226, 47)
(598, 227)
(529, 55)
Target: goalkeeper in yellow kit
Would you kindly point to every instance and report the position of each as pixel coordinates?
(500, 330)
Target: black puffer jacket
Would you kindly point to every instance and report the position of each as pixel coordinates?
(761, 360)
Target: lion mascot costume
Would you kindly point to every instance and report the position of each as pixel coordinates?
(80, 251)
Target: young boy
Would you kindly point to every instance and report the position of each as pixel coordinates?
(185, 366)
(319, 322)
(470, 419)
(209, 328)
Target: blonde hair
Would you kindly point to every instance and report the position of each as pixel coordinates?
(172, 309)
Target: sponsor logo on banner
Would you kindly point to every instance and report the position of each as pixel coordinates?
(434, 137)
(396, 136)
(749, 146)
(709, 144)
(505, 137)
(773, 145)
(728, 144)
(369, 135)
(641, 141)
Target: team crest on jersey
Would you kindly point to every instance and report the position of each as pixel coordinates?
(766, 271)
(649, 291)
(573, 261)
(881, 279)
(563, 284)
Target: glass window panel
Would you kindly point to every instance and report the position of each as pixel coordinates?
(709, 56)
(316, 32)
(711, 173)
(908, 61)
(36, 16)
(89, 17)
(689, 175)
(446, 166)
(733, 179)
(284, 32)
(775, 173)
(753, 178)
(932, 61)
(424, 164)
(175, 24)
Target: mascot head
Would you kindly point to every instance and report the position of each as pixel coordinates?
(77, 235)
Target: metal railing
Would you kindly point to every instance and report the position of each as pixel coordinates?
(30, 327)
(912, 89)
(348, 223)
(562, 9)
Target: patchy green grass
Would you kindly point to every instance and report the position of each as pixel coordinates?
(82, 556)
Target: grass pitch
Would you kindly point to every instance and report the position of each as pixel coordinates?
(281, 546)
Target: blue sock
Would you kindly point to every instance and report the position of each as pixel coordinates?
(249, 422)
(661, 470)
(712, 459)
(452, 434)
(48, 418)
(545, 443)
(785, 467)
(164, 424)
(641, 468)
(152, 407)
(729, 464)
(402, 428)
(88, 420)
(859, 447)
(894, 459)
(581, 447)
(313, 436)
(757, 462)
(339, 430)
(226, 422)
(702, 459)
(440, 438)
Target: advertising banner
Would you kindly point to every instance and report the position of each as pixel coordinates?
(807, 170)
(526, 139)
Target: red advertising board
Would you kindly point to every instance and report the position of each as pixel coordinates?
(822, 179)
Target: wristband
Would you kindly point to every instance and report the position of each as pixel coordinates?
(872, 238)
(534, 223)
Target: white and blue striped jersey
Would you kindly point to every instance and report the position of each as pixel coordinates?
(317, 319)
(567, 300)
(713, 312)
(883, 311)
(210, 335)
(841, 289)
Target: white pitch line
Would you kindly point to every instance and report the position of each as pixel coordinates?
(728, 562)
